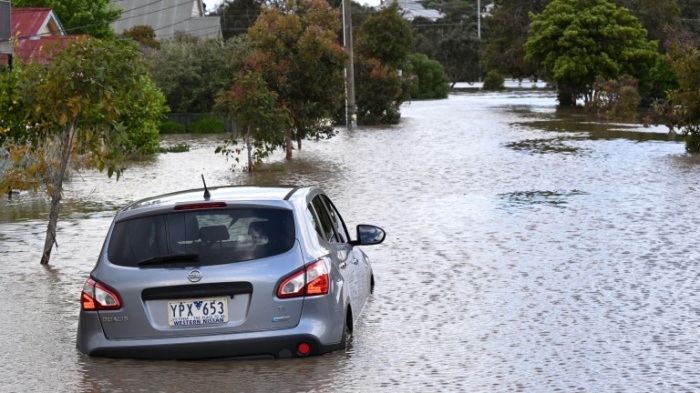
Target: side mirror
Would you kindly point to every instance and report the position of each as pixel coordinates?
(368, 235)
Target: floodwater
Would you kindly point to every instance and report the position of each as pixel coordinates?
(528, 250)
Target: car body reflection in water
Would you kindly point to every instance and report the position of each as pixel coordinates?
(530, 250)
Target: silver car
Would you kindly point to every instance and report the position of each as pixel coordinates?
(227, 272)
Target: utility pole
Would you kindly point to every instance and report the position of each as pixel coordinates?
(478, 18)
(351, 110)
(478, 32)
(6, 31)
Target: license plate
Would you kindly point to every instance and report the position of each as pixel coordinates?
(197, 311)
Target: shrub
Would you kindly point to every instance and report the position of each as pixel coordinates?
(171, 127)
(615, 99)
(207, 125)
(432, 81)
(494, 81)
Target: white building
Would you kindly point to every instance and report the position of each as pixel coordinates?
(412, 9)
(167, 18)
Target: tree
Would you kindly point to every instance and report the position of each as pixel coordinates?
(684, 58)
(141, 117)
(11, 114)
(654, 15)
(577, 41)
(90, 17)
(458, 52)
(452, 40)
(690, 15)
(295, 47)
(384, 42)
(191, 71)
(237, 16)
(256, 110)
(144, 35)
(386, 36)
(506, 28)
(77, 111)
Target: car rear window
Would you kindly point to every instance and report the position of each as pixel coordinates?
(209, 237)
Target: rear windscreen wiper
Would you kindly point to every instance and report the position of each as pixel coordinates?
(162, 259)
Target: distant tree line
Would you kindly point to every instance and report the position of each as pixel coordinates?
(279, 74)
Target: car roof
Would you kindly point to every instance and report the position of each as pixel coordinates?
(225, 193)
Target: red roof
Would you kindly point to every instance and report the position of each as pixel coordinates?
(35, 28)
(34, 21)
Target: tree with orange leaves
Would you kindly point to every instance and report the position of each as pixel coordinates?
(295, 51)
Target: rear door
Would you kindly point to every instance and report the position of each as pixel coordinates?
(230, 286)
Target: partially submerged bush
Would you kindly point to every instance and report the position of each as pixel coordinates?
(494, 81)
(432, 81)
(616, 99)
(179, 148)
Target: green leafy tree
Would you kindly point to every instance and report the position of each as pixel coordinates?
(577, 41)
(458, 52)
(77, 111)
(384, 42)
(144, 35)
(12, 124)
(432, 81)
(424, 44)
(90, 17)
(258, 115)
(452, 40)
(457, 11)
(295, 48)
(654, 15)
(191, 71)
(385, 36)
(142, 117)
(506, 30)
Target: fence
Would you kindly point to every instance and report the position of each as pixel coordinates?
(187, 118)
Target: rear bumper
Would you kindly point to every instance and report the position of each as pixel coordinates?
(272, 344)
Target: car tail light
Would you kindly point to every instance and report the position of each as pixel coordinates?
(96, 297)
(310, 281)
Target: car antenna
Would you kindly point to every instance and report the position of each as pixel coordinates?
(207, 195)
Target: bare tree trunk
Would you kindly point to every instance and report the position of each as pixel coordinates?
(288, 143)
(250, 154)
(66, 150)
(298, 144)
